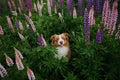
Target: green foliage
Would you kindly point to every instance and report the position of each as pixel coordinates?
(92, 62)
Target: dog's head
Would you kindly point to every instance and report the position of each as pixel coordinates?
(59, 40)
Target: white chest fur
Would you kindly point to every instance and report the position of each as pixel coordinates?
(62, 52)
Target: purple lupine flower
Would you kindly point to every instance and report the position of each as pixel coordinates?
(29, 4)
(105, 8)
(113, 19)
(86, 27)
(98, 5)
(17, 24)
(21, 36)
(22, 2)
(3, 71)
(53, 3)
(30, 22)
(80, 7)
(70, 6)
(19, 63)
(41, 40)
(61, 4)
(99, 36)
(89, 4)
(106, 13)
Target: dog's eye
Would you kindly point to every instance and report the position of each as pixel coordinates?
(63, 38)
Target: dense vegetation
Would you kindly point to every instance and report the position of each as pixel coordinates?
(88, 62)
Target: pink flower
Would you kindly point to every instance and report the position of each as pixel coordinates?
(49, 8)
(117, 35)
(10, 23)
(13, 4)
(30, 74)
(91, 16)
(19, 63)
(21, 6)
(30, 22)
(18, 53)
(3, 71)
(35, 7)
(113, 19)
(30, 14)
(61, 17)
(39, 6)
(9, 5)
(9, 61)
(19, 9)
(1, 30)
(20, 25)
(21, 36)
(74, 13)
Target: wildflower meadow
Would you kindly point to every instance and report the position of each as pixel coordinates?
(26, 52)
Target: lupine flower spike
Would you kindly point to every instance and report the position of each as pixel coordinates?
(61, 17)
(19, 9)
(3, 71)
(30, 22)
(114, 16)
(49, 8)
(21, 36)
(61, 4)
(19, 63)
(9, 5)
(29, 4)
(89, 4)
(99, 36)
(9, 61)
(18, 53)
(80, 7)
(30, 74)
(10, 23)
(117, 35)
(105, 12)
(39, 6)
(35, 7)
(13, 4)
(21, 6)
(41, 40)
(86, 27)
(1, 30)
(70, 6)
(91, 16)
(74, 13)
(29, 13)
(20, 25)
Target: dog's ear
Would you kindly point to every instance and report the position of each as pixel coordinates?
(66, 35)
(52, 37)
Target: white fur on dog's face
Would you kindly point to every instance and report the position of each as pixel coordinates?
(60, 41)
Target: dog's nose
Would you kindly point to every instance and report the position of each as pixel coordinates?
(61, 42)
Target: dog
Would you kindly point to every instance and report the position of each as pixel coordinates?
(61, 43)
